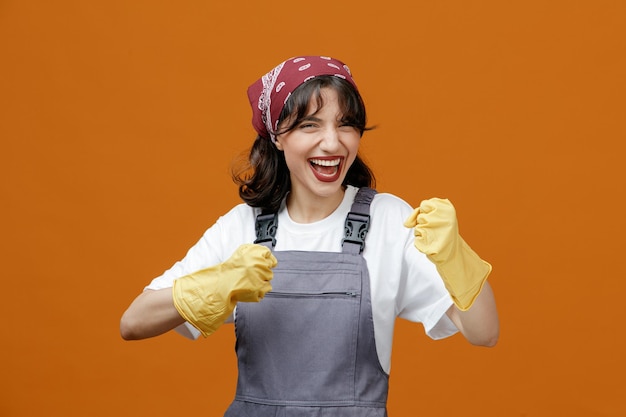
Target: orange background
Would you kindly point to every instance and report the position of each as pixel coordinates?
(119, 121)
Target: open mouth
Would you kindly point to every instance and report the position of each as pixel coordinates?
(326, 169)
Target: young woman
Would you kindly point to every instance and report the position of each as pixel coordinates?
(315, 267)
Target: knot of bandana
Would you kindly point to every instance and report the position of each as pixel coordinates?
(269, 94)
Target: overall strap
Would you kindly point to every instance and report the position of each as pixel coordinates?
(357, 221)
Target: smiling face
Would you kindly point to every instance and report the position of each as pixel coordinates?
(319, 150)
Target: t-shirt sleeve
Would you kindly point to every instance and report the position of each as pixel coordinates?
(215, 246)
(424, 298)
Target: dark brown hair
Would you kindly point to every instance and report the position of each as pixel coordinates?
(263, 178)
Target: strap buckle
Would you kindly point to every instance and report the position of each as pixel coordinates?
(265, 227)
(355, 229)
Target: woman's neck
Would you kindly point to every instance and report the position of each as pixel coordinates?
(309, 208)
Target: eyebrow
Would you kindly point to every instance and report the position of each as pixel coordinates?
(310, 118)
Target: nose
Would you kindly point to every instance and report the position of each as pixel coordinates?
(330, 140)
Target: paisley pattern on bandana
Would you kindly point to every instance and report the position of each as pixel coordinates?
(269, 94)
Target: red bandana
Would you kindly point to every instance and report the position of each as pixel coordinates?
(269, 94)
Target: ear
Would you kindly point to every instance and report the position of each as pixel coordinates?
(279, 145)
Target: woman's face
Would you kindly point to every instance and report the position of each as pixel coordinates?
(320, 149)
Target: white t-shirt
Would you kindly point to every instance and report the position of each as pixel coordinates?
(404, 282)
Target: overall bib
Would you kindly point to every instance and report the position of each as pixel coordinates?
(308, 348)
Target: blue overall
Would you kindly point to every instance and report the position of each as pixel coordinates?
(308, 348)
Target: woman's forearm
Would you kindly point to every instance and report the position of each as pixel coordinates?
(152, 313)
(480, 324)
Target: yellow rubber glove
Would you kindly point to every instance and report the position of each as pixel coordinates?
(207, 297)
(436, 232)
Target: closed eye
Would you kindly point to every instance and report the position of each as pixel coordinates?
(346, 125)
(309, 122)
